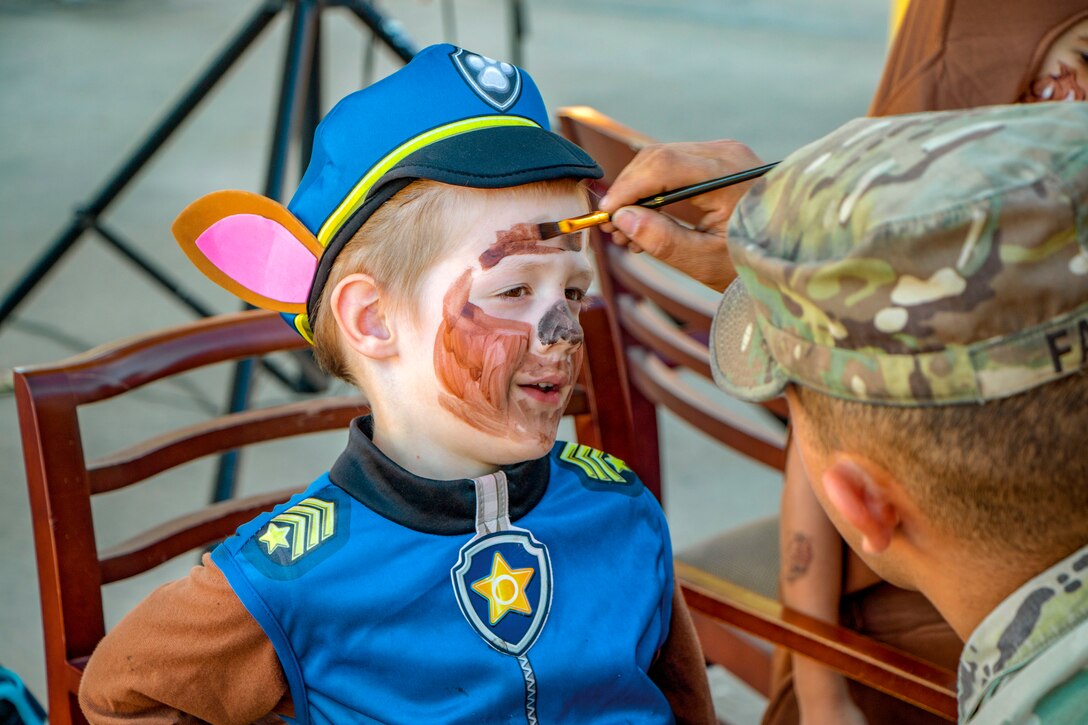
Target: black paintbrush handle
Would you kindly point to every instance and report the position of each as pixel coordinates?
(686, 192)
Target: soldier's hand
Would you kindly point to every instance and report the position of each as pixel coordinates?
(700, 253)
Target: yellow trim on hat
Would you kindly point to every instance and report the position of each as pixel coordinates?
(355, 198)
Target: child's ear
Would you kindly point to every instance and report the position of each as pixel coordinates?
(864, 499)
(361, 314)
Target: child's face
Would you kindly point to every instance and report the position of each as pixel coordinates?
(497, 341)
(1063, 73)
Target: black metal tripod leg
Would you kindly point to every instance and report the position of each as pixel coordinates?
(305, 21)
(387, 31)
(133, 255)
(88, 215)
(311, 379)
(517, 32)
(312, 110)
(302, 36)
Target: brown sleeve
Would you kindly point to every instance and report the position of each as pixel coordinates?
(190, 652)
(680, 669)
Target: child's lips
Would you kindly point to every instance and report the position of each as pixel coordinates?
(549, 390)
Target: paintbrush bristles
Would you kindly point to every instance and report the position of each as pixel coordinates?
(574, 224)
(548, 230)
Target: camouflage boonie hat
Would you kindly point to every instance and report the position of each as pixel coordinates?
(915, 260)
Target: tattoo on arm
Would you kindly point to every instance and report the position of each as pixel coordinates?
(798, 556)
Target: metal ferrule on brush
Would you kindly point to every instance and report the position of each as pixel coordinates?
(566, 226)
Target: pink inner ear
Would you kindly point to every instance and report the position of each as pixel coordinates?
(260, 255)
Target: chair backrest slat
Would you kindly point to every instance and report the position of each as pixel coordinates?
(117, 368)
(664, 387)
(155, 455)
(649, 326)
(633, 274)
(184, 533)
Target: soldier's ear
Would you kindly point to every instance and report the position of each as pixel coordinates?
(865, 499)
(251, 246)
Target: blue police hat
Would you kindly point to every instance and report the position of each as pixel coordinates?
(450, 115)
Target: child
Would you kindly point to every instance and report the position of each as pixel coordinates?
(455, 564)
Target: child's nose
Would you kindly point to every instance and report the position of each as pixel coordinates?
(559, 324)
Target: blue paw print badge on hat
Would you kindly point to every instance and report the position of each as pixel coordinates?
(450, 115)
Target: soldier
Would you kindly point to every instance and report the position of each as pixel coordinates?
(948, 54)
(918, 287)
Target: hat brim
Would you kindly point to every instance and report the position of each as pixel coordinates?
(487, 158)
(495, 158)
(740, 359)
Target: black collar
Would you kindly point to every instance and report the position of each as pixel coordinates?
(423, 504)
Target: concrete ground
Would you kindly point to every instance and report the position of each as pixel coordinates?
(83, 82)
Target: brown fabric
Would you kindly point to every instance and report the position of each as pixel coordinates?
(964, 53)
(188, 653)
(903, 619)
(680, 669)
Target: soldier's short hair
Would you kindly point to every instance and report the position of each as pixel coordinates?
(1005, 475)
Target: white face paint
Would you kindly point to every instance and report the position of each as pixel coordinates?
(496, 347)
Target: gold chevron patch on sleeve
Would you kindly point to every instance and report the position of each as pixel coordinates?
(598, 465)
(301, 528)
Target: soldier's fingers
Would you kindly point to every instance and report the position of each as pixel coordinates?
(662, 167)
(702, 256)
(619, 238)
(654, 169)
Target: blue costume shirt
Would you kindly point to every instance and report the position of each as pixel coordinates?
(542, 592)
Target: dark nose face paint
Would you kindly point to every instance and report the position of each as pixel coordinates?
(558, 324)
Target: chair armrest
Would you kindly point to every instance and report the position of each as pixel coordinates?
(861, 658)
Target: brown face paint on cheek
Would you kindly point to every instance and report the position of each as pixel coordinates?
(525, 239)
(475, 357)
(558, 324)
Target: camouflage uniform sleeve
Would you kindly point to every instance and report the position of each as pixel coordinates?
(188, 653)
(680, 670)
(1027, 662)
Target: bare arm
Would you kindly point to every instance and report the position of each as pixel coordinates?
(700, 253)
(680, 670)
(811, 582)
(190, 652)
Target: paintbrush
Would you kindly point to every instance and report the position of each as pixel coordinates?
(548, 230)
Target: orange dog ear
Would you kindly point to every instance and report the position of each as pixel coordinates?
(252, 247)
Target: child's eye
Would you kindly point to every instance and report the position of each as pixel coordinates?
(515, 292)
(575, 295)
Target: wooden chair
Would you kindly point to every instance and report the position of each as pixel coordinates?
(662, 328)
(62, 481)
